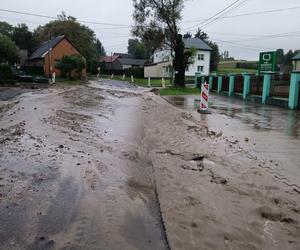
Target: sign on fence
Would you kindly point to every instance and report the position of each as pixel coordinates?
(267, 62)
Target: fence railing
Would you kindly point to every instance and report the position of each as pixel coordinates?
(280, 85)
(256, 85)
(215, 83)
(225, 83)
(239, 84)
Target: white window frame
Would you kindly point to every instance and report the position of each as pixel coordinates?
(200, 67)
(201, 57)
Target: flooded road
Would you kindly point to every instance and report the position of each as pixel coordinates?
(273, 133)
(109, 165)
(73, 175)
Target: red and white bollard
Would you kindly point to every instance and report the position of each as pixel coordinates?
(204, 99)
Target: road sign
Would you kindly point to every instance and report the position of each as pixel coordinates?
(267, 62)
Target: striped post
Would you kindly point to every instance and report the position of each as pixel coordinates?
(204, 97)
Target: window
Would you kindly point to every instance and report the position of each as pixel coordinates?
(201, 57)
(187, 68)
(200, 68)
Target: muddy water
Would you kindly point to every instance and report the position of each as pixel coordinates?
(73, 174)
(269, 133)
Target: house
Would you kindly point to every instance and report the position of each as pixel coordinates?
(59, 46)
(201, 62)
(122, 61)
(296, 62)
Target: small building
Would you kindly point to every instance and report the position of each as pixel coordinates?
(201, 60)
(59, 46)
(296, 62)
(158, 70)
(121, 61)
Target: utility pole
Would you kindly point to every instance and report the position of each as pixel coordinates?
(49, 53)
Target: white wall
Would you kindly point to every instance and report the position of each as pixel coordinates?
(193, 68)
(162, 55)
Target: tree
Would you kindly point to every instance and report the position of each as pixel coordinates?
(187, 35)
(24, 38)
(8, 50)
(138, 49)
(70, 63)
(279, 56)
(100, 49)
(6, 29)
(215, 53)
(156, 23)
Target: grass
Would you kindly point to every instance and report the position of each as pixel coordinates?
(235, 70)
(66, 81)
(179, 91)
(139, 81)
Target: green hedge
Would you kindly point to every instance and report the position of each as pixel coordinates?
(6, 72)
(247, 65)
(137, 72)
(33, 70)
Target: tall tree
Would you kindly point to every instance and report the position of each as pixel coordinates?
(8, 50)
(157, 23)
(138, 49)
(6, 29)
(24, 38)
(100, 49)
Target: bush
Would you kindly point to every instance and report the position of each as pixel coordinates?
(6, 72)
(33, 70)
(137, 72)
(247, 65)
(70, 63)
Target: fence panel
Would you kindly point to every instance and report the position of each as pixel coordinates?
(280, 85)
(215, 83)
(256, 85)
(239, 84)
(225, 83)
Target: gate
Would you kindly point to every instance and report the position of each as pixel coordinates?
(239, 84)
(280, 85)
(256, 85)
(225, 83)
(215, 83)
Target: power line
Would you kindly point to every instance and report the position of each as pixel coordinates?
(251, 14)
(54, 18)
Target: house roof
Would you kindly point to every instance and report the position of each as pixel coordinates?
(43, 49)
(297, 56)
(132, 61)
(196, 43)
(109, 59)
(123, 55)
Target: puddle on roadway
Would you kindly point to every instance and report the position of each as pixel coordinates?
(274, 132)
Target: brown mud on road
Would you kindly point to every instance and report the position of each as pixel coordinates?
(111, 166)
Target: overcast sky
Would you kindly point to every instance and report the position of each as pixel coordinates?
(241, 36)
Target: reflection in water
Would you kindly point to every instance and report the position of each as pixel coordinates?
(261, 117)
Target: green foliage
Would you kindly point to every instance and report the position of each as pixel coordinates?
(8, 50)
(6, 72)
(24, 38)
(138, 49)
(70, 63)
(6, 29)
(179, 91)
(135, 71)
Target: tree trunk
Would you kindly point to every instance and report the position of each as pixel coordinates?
(179, 62)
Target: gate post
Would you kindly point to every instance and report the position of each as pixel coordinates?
(210, 82)
(294, 90)
(197, 76)
(266, 87)
(202, 80)
(246, 88)
(231, 85)
(219, 89)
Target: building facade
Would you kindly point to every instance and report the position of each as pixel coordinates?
(201, 61)
(59, 46)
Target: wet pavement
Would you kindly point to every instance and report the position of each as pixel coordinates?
(273, 132)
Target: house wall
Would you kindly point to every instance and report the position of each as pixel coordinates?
(157, 71)
(61, 49)
(193, 68)
(117, 65)
(161, 55)
(296, 65)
